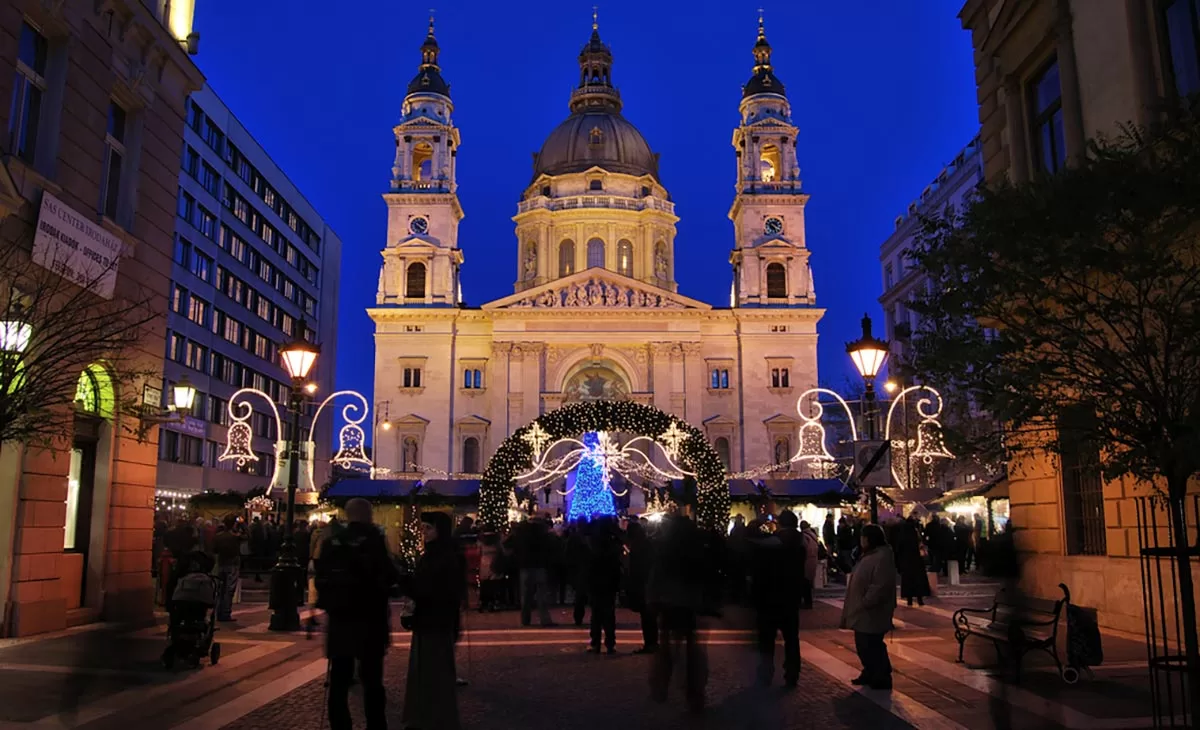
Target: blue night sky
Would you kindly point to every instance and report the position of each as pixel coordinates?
(883, 93)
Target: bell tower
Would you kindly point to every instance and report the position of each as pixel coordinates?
(770, 258)
(421, 260)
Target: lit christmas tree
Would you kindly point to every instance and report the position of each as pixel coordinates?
(592, 497)
(412, 544)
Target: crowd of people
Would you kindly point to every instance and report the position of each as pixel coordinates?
(669, 572)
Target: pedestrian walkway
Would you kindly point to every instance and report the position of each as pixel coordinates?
(109, 678)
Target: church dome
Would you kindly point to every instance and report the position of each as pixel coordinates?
(596, 138)
(763, 79)
(595, 135)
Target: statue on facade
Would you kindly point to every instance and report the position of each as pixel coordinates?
(530, 261)
(660, 264)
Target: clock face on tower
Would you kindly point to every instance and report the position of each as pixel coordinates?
(419, 226)
(773, 226)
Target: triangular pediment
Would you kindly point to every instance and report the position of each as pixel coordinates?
(415, 243)
(472, 420)
(780, 419)
(596, 289)
(775, 242)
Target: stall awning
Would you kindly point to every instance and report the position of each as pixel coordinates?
(743, 488)
(809, 490)
(455, 488)
(916, 495)
(995, 488)
(373, 488)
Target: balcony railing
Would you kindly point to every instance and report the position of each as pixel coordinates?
(581, 202)
(437, 186)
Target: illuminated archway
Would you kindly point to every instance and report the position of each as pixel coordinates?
(95, 394)
(518, 451)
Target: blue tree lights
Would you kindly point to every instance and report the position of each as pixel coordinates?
(591, 497)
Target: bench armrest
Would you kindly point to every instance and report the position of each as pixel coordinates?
(961, 617)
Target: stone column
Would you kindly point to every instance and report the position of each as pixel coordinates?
(531, 380)
(1069, 79)
(501, 382)
(693, 372)
(1014, 122)
(660, 374)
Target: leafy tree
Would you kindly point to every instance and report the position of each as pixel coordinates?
(1087, 284)
(69, 329)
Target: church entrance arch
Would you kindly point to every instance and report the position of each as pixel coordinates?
(693, 452)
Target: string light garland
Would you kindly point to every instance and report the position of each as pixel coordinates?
(412, 543)
(261, 503)
(516, 454)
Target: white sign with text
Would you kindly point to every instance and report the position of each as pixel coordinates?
(75, 248)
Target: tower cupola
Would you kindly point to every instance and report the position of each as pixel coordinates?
(429, 75)
(763, 80)
(595, 88)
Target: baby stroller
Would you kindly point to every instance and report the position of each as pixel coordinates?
(192, 612)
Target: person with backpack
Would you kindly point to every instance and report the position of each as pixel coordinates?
(354, 577)
(437, 587)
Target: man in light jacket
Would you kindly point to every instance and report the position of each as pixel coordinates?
(810, 564)
(869, 607)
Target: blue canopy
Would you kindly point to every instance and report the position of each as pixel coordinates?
(461, 488)
(372, 488)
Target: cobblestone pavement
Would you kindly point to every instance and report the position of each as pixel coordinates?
(109, 677)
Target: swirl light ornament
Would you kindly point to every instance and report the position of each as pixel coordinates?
(930, 443)
(351, 437)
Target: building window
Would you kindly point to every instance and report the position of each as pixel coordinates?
(207, 223)
(191, 161)
(625, 258)
(1045, 96)
(566, 258)
(217, 410)
(179, 300)
(769, 163)
(473, 378)
(1182, 21)
(198, 311)
(183, 251)
(187, 206)
(780, 378)
(596, 185)
(197, 356)
(776, 281)
(412, 377)
(1083, 491)
(210, 179)
(415, 285)
(175, 347)
(114, 161)
(202, 266)
(470, 455)
(722, 446)
(595, 253)
(720, 379)
(25, 113)
(889, 276)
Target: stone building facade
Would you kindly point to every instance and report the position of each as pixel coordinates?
(1051, 75)
(596, 311)
(96, 120)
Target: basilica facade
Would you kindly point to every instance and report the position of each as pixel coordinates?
(595, 311)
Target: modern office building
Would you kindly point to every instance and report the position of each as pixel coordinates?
(254, 266)
(92, 118)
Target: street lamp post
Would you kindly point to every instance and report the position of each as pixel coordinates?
(869, 354)
(298, 358)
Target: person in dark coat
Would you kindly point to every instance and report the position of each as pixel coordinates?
(641, 555)
(914, 581)
(578, 556)
(845, 545)
(354, 577)
(530, 542)
(778, 570)
(676, 591)
(964, 543)
(604, 580)
(437, 586)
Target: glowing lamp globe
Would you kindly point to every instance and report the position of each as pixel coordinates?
(867, 352)
(15, 335)
(183, 395)
(298, 358)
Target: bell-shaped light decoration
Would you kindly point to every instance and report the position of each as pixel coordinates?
(812, 443)
(350, 451)
(237, 445)
(931, 443)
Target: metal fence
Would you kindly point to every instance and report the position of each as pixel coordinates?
(1174, 684)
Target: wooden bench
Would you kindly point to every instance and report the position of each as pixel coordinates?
(1025, 625)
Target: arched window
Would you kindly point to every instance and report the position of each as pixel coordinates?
(566, 258)
(87, 393)
(422, 161)
(625, 258)
(783, 450)
(411, 454)
(723, 451)
(415, 285)
(776, 281)
(470, 455)
(595, 253)
(769, 164)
